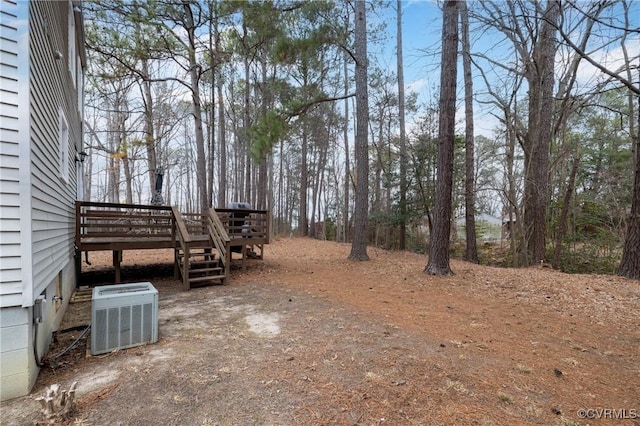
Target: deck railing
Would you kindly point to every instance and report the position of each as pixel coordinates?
(107, 225)
(118, 227)
(219, 239)
(246, 223)
(183, 239)
(196, 223)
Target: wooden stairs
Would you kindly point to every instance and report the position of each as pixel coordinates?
(203, 267)
(202, 245)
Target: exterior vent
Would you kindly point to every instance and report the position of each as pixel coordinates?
(123, 316)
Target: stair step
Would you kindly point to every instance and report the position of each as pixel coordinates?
(205, 267)
(203, 270)
(204, 262)
(197, 280)
(203, 255)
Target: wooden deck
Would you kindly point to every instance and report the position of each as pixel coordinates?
(217, 234)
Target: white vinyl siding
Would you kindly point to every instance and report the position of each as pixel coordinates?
(55, 134)
(63, 146)
(14, 150)
(16, 376)
(71, 42)
(80, 76)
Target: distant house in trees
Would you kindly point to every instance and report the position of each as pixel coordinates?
(41, 83)
(488, 228)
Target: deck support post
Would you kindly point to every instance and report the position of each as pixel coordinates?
(185, 267)
(78, 266)
(176, 264)
(244, 257)
(117, 259)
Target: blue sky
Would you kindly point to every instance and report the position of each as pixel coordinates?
(421, 22)
(422, 27)
(421, 44)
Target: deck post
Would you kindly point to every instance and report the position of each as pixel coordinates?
(117, 258)
(244, 257)
(78, 265)
(78, 245)
(185, 267)
(228, 258)
(176, 266)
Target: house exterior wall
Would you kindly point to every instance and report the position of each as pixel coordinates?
(53, 104)
(41, 134)
(14, 86)
(15, 358)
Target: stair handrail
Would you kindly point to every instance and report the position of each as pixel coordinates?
(184, 239)
(183, 234)
(220, 239)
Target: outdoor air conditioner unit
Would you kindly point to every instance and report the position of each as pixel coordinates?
(123, 316)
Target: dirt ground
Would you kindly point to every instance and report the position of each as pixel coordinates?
(308, 337)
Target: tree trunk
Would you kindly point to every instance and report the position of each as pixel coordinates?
(150, 142)
(347, 154)
(377, 172)
(124, 149)
(403, 136)
(630, 264)
(246, 112)
(188, 154)
(212, 112)
(313, 160)
(561, 231)
(126, 167)
(439, 241)
(359, 245)
(262, 167)
(194, 74)
(281, 211)
(303, 217)
(113, 169)
(540, 75)
(222, 134)
(515, 218)
(471, 253)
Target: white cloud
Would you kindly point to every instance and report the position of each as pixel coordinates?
(416, 85)
(612, 59)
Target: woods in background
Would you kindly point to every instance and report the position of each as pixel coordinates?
(262, 102)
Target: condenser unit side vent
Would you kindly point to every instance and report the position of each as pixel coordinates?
(123, 316)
